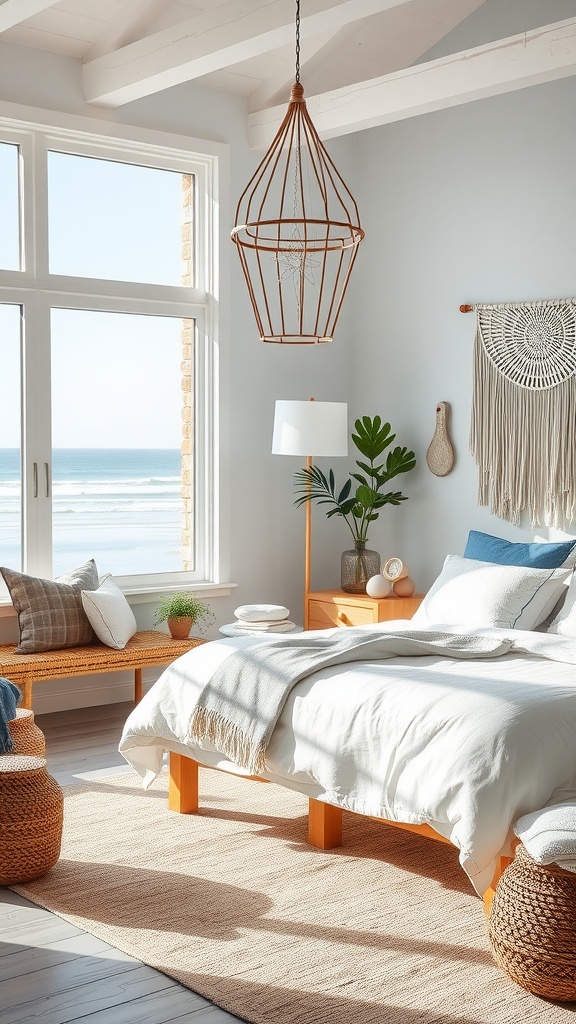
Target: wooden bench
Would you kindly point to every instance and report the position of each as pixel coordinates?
(149, 647)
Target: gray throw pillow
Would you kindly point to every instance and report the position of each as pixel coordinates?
(50, 612)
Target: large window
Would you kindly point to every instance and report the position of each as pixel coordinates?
(106, 358)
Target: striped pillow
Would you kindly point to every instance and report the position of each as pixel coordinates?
(50, 612)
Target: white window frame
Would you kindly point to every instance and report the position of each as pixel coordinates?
(37, 291)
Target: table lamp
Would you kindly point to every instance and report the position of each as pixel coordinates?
(310, 429)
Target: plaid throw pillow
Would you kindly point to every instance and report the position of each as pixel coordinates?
(50, 612)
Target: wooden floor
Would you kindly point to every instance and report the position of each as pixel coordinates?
(53, 972)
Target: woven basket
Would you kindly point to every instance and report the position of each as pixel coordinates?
(27, 737)
(31, 813)
(532, 927)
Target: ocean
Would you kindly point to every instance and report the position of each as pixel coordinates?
(120, 506)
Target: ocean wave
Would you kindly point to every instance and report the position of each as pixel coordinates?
(113, 507)
(116, 494)
(115, 481)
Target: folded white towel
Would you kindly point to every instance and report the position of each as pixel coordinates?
(549, 835)
(262, 612)
(281, 626)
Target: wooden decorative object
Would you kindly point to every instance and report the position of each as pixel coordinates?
(440, 454)
(394, 569)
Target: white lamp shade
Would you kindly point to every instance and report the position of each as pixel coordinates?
(310, 428)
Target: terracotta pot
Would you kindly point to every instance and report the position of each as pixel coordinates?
(180, 627)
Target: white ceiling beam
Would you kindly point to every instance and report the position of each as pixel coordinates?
(215, 39)
(128, 26)
(541, 55)
(12, 12)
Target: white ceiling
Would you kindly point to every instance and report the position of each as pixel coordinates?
(361, 60)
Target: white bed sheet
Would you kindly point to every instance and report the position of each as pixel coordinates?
(465, 746)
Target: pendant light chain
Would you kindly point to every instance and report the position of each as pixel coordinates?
(297, 40)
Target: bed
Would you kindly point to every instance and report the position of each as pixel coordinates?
(457, 749)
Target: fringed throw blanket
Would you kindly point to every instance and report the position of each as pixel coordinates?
(523, 432)
(10, 697)
(241, 703)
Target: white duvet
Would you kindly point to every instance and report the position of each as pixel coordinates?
(465, 746)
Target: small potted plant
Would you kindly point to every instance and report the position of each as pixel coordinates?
(181, 612)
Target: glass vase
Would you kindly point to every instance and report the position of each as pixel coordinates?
(357, 566)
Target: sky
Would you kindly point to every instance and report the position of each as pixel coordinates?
(116, 377)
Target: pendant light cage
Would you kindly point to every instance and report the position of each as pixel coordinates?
(297, 232)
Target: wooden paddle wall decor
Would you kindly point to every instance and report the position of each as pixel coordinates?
(440, 454)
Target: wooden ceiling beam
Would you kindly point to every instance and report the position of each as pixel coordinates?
(12, 12)
(216, 39)
(541, 55)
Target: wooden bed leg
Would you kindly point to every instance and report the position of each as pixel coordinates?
(501, 865)
(137, 685)
(183, 788)
(324, 825)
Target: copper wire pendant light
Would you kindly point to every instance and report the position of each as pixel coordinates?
(297, 231)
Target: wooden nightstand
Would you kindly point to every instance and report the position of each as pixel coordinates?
(328, 608)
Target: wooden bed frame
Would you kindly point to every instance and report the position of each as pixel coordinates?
(324, 820)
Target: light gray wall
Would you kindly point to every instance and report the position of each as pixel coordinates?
(472, 204)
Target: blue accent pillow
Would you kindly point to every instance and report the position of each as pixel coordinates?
(485, 548)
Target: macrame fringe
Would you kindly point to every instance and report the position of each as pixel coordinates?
(229, 739)
(524, 444)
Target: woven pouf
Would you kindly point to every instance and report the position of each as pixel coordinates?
(532, 927)
(27, 737)
(31, 813)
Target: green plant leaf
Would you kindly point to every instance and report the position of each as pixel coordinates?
(366, 496)
(370, 470)
(399, 460)
(345, 491)
(371, 439)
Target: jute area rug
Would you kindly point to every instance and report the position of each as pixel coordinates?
(234, 904)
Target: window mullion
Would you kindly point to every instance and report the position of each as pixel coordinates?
(36, 435)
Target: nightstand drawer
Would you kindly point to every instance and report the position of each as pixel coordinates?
(326, 615)
(328, 608)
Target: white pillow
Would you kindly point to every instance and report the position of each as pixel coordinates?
(565, 621)
(109, 614)
(470, 592)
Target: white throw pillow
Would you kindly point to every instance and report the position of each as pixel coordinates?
(109, 614)
(565, 621)
(470, 592)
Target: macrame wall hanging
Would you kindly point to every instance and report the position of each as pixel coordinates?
(523, 431)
